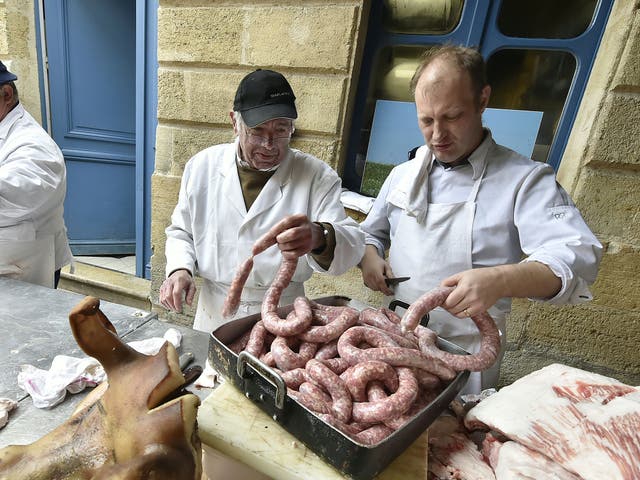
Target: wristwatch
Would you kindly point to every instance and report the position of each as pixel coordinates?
(325, 233)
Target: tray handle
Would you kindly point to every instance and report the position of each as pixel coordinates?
(270, 375)
(424, 321)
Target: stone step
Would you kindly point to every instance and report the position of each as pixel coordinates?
(106, 284)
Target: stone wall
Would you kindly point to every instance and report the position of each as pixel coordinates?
(205, 49)
(601, 170)
(18, 51)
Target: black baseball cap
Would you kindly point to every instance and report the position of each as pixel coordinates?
(6, 75)
(264, 95)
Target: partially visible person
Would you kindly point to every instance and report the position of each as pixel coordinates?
(33, 185)
(471, 214)
(232, 194)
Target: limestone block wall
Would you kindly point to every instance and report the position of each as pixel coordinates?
(18, 50)
(205, 47)
(204, 50)
(601, 171)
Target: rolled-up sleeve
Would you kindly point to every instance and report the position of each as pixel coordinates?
(553, 232)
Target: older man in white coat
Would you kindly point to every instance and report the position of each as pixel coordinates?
(232, 194)
(33, 236)
(474, 215)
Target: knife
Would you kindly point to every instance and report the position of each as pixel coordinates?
(184, 360)
(396, 280)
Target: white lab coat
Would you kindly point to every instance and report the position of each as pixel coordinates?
(519, 210)
(211, 232)
(33, 237)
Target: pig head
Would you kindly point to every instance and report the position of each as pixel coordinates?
(139, 424)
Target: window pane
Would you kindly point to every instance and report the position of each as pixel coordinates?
(395, 67)
(536, 80)
(392, 72)
(422, 16)
(545, 18)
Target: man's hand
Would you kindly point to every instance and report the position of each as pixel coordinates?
(375, 270)
(476, 290)
(480, 288)
(299, 236)
(176, 286)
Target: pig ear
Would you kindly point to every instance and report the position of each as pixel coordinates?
(97, 336)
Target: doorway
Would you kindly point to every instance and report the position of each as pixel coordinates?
(101, 68)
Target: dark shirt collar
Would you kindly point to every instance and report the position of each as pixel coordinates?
(452, 165)
(475, 158)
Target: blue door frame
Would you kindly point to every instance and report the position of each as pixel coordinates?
(145, 121)
(477, 27)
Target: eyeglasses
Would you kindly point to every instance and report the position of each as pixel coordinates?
(280, 136)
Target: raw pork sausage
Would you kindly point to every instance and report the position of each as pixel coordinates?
(232, 300)
(272, 321)
(424, 304)
(286, 359)
(322, 375)
(332, 330)
(394, 405)
(255, 345)
(484, 358)
(387, 351)
(358, 376)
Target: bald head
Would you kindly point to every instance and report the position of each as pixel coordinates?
(441, 78)
(454, 58)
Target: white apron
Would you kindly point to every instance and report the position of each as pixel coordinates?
(431, 251)
(31, 261)
(208, 313)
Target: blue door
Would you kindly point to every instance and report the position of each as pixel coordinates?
(91, 51)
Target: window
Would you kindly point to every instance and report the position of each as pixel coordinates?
(539, 55)
(537, 80)
(545, 18)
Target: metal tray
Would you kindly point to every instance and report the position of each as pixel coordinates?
(267, 390)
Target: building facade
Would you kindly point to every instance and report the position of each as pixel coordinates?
(205, 48)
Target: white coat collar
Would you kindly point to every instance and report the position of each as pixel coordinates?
(412, 192)
(231, 185)
(12, 117)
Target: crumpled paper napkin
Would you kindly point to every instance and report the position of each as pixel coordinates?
(209, 378)
(48, 388)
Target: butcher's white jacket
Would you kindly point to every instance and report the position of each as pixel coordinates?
(522, 214)
(211, 231)
(32, 186)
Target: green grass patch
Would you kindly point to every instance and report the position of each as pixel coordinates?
(374, 176)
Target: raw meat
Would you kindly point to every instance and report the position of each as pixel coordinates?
(512, 461)
(453, 455)
(588, 423)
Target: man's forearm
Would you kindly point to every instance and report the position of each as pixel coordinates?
(528, 280)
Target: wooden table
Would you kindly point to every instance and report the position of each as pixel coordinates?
(232, 425)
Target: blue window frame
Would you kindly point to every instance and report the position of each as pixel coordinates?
(480, 26)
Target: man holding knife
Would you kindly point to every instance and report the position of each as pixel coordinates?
(474, 215)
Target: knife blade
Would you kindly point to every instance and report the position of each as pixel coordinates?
(184, 360)
(395, 280)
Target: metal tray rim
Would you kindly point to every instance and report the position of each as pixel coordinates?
(357, 470)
